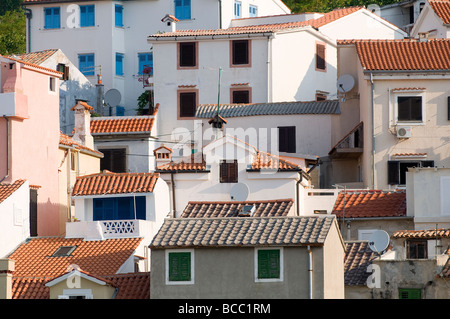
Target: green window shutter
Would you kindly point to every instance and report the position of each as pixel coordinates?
(180, 266)
(268, 263)
(409, 294)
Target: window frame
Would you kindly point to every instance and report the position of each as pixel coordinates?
(110, 165)
(318, 58)
(180, 12)
(416, 241)
(410, 111)
(119, 64)
(395, 171)
(118, 16)
(53, 19)
(280, 278)
(237, 9)
(249, 54)
(64, 69)
(291, 147)
(408, 93)
(148, 62)
(112, 207)
(87, 19)
(240, 89)
(88, 66)
(191, 267)
(180, 115)
(253, 14)
(228, 178)
(180, 46)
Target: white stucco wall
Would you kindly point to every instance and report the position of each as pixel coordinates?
(429, 22)
(14, 219)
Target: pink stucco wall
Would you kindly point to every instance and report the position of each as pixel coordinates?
(34, 143)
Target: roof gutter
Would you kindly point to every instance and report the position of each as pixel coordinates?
(7, 149)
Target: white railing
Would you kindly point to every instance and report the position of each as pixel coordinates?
(119, 228)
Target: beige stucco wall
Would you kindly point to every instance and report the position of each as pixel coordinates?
(333, 261)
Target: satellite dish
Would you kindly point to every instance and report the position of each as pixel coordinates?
(379, 241)
(112, 97)
(239, 192)
(345, 83)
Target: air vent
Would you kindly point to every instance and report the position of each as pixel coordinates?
(403, 131)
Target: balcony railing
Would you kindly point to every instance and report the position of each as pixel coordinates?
(107, 229)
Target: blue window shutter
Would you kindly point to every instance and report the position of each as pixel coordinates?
(86, 64)
(119, 64)
(87, 16)
(52, 18)
(120, 111)
(145, 61)
(183, 9)
(118, 15)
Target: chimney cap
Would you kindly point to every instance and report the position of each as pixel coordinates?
(82, 103)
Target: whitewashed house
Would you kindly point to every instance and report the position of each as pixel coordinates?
(433, 21)
(403, 13)
(110, 37)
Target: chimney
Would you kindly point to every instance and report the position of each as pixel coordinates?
(217, 123)
(13, 81)
(6, 271)
(82, 130)
(100, 91)
(171, 21)
(163, 155)
(423, 36)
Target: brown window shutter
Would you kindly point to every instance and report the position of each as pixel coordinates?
(320, 56)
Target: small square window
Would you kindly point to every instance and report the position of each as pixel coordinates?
(253, 10)
(64, 69)
(240, 52)
(52, 18)
(179, 267)
(145, 63)
(269, 265)
(286, 139)
(229, 171)
(240, 96)
(86, 64)
(183, 9)
(409, 108)
(417, 249)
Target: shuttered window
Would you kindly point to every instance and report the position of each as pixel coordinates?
(229, 172)
(269, 264)
(286, 139)
(119, 208)
(409, 294)
(240, 52)
(52, 18)
(183, 9)
(241, 96)
(87, 16)
(188, 104)
(180, 266)
(320, 57)
(188, 54)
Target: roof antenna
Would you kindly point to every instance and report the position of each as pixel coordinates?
(217, 121)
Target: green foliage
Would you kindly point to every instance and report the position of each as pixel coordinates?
(298, 6)
(13, 32)
(9, 5)
(144, 100)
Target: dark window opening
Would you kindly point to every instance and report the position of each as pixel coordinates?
(409, 108)
(188, 104)
(119, 208)
(188, 54)
(240, 52)
(417, 249)
(64, 251)
(397, 170)
(33, 212)
(64, 69)
(286, 139)
(320, 57)
(114, 160)
(241, 96)
(229, 171)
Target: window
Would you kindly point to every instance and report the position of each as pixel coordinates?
(64, 69)
(229, 171)
(118, 16)
(179, 267)
(73, 165)
(145, 63)
(187, 101)
(52, 19)
(86, 64)
(183, 9)
(320, 57)
(87, 16)
(119, 208)
(286, 139)
(52, 84)
(240, 96)
(240, 53)
(397, 170)
(187, 55)
(416, 249)
(253, 11)
(409, 294)
(64, 251)
(268, 265)
(320, 97)
(114, 160)
(237, 9)
(409, 108)
(119, 64)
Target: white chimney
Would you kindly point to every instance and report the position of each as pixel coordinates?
(82, 130)
(163, 155)
(6, 274)
(171, 21)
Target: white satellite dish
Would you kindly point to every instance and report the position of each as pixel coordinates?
(379, 241)
(345, 83)
(112, 97)
(239, 192)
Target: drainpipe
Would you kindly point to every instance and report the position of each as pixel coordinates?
(297, 192)
(29, 15)
(7, 149)
(220, 14)
(173, 196)
(373, 130)
(310, 271)
(269, 69)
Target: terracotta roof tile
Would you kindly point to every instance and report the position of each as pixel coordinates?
(430, 233)
(107, 183)
(30, 288)
(238, 231)
(405, 54)
(358, 257)
(264, 160)
(68, 141)
(33, 65)
(35, 57)
(122, 124)
(7, 190)
(371, 203)
(267, 208)
(104, 257)
(442, 9)
(192, 163)
(131, 285)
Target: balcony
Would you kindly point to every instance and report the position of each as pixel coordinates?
(109, 229)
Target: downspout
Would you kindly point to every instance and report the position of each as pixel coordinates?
(310, 271)
(29, 15)
(220, 14)
(174, 209)
(297, 192)
(7, 149)
(373, 130)
(269, 69)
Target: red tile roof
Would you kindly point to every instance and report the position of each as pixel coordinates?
(107, 183)
(195, 163)
(442, 9)
(371, 203)
(263, 208)
(274, 27)
(7, 190)
(358, 256)
(54, 72)
(68, 141)
(122, 124)
(425, 234)
(405, 54)
(30, 288)
(35, 57)
(102, 257)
